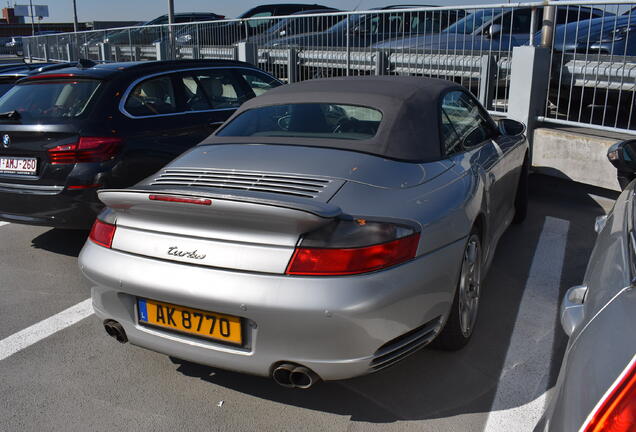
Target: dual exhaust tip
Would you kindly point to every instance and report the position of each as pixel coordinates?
(294, 376)
(115, 330)
(286, 374)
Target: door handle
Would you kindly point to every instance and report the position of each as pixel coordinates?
(491, 178)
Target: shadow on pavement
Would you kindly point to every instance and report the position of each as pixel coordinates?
(434, 384)
(61, 241)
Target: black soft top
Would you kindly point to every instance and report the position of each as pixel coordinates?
(409, 129)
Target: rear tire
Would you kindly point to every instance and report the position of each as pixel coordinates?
(521, 197)
(464, 310)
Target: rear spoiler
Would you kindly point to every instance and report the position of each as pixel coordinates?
(122, 198)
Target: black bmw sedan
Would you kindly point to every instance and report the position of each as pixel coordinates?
(67, 133)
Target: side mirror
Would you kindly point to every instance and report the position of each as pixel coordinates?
(282, 33)
(493, 31)
(623, 156)
(511, 127)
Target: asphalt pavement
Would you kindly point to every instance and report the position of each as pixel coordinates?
(75, 378)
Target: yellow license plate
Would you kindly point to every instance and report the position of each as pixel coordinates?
(210, 325)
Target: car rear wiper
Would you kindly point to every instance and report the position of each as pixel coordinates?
(11, 115)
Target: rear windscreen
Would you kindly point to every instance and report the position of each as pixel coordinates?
(308, 120)
(49, 100)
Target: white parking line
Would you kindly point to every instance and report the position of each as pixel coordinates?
(523, 385)
(35, 333)
(4, 223)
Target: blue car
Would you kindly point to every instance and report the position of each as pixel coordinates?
(610, 35)
(496, 29)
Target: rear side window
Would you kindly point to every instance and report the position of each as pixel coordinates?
(152, 97)
(50, 100)
(259, 83)
(212, 90)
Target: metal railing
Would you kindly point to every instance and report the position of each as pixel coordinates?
(593, 70)
(472, 45)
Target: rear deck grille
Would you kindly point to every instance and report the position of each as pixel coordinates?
(301, 186)
(404, 345)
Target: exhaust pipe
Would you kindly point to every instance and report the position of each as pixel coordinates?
(303, 378)
(115, 330)
(294, 376)
(282, 375)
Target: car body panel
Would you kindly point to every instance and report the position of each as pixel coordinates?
(601, 344)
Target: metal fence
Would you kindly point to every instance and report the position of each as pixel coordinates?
(592, 81)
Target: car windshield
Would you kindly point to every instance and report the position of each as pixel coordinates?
(49, 100)
(308, 120)
(471, 22)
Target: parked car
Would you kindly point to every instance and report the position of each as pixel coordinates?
(153, 30)
(361, 30)
(268, 249)
(609, 35)
(9, 76)
(496, 29)
(246, 25)
(596, 387)
(296, 25)
(15, 44)
(67, 133)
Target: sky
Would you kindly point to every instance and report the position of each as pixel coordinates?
(144, 10)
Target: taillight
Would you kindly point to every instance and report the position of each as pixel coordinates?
(616, 411)
(178, 199)
(102, 233)
(87, 149)
(353, 247)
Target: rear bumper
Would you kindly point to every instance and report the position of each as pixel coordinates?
(340, 327)
(49, 207)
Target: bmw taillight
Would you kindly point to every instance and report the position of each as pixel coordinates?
(104, 229)
(616, 411)
(87, 149)
(347, 247)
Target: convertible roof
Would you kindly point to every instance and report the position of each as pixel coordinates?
(409, 129)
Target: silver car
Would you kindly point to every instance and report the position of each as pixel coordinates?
(596, 388)
(327, 230)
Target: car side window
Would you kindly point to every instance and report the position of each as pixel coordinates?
(516, 21)
(259, 83)
(152, 97)
(216, 89)
(464, 124)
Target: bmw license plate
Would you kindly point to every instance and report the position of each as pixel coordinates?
(18, 165)
(209, 325)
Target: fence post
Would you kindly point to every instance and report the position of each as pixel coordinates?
(487, 74)
(104, 52)
(69, 57)
(46, 51)
(292, 65)
(196, 52)
(118, 53)
(162, 50)
(28, 48)
(247, 52)
(528, 85)
(381, 63)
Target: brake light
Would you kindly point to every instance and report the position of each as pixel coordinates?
(102, 233)
(348, 261)
(616, 411)
(177, 199)
(87, 149)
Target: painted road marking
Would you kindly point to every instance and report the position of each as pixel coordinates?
(35, 333)
(4, 223)
(529, 357)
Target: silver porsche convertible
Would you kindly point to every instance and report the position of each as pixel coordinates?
(327, 230)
